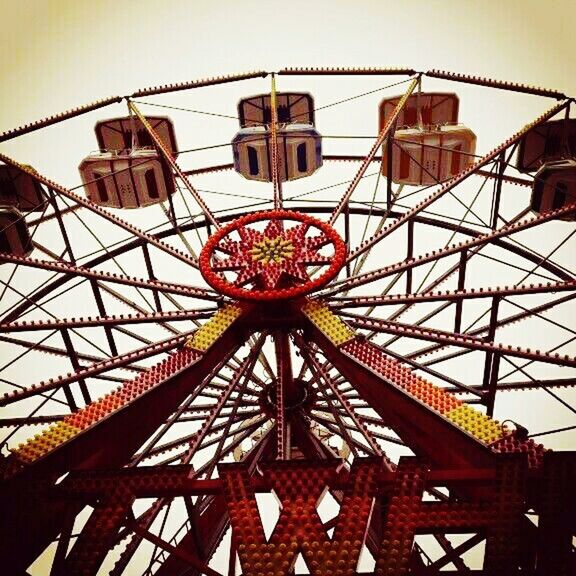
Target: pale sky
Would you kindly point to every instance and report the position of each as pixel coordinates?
(56, 54)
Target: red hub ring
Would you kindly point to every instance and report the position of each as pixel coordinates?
(219, 282)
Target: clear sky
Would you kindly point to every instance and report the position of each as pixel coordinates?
(58, 53)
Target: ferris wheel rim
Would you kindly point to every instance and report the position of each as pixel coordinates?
(535, 258)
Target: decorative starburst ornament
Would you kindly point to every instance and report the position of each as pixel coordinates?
(292, 255)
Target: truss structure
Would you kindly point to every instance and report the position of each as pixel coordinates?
(383, 358)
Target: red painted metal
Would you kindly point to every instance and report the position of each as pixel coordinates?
(480, 163)
(489, 83)
(169, 156)
(338, 303)
(97, 368)
(168, 316)
(300, 484)
(454, 249)
(50, 120)
(387, 130)
(267, 258)
(344, 71)
(178, 254)
(276, 421)
(198, 83)
(462, 340)
(416, 423)
(65, 268)
(299, 487)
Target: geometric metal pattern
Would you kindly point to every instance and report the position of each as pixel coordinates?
(353, 345)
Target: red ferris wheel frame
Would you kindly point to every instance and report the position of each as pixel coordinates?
(356, 389)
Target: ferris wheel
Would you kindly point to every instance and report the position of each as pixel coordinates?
(361, 291)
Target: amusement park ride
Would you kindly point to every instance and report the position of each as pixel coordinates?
(317, 346)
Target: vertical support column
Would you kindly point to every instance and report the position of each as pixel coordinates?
(504, 546)
(498, 190)
(54, 202)
(276, 180)
(409, 255)
(99, 534)
(398, 536)
(63, 542)
(492, 362)
(501, 515)
(389, 144)
(76, 365)
(493, 384)
(232, 557)
(285, 392)
(347, 237)
(461, 282)
(557, 515)
(102, 312)
(151, 275)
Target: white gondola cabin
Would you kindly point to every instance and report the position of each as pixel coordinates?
(547, 142)
(129, 132)
(129, 172)
(126, 179)
(299, 143)
(14, 235)
(423, 156)
(299, 152)
(555, 187)
(19, 189)
(421, 109)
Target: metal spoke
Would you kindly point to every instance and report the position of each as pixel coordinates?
(482, 162)
(367, 277)
(384, 133)
(96, 369)
(460, 340)
(168, 157)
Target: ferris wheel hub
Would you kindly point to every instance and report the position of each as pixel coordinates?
(272, 255)
(302, 397)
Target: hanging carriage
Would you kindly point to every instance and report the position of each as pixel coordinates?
(429, 146)
(19, 189)
(299, 152)
(550, 150)
(299, 143)
(555, 187)
(126, 179)
(129, 132)
(15, 238)
(291, 108)
(128, 171)
(547, 142)
(423, 156)
(422, 109)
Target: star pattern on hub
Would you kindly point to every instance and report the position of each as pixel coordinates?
(274, 258)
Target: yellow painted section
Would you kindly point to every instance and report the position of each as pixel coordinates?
(449, 405)
(206, 335)
(272, 250)
(328, 323)
(476, 423)
(45, 442)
